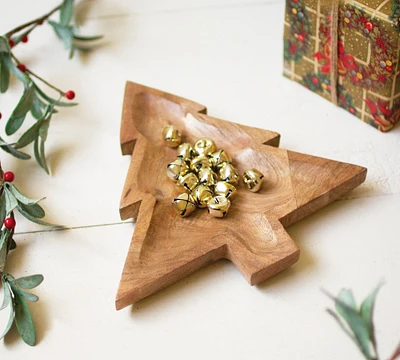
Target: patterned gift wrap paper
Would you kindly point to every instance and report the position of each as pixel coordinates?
(368, 55)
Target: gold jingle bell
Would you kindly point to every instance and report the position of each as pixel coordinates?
(229, 174)
(205, 146)
(172, 136)
(177, 168)
(202, 195)
(188, 181)
(253, 179)
(218, 158)
(184, 204)
(222, 188)
(200, 162)
(207, 177)
(218, 206)
(185, 151)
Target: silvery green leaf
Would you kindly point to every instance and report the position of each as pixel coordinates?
(25, 200)
(66, 12)
(367, 309)
(11, 201)
(3, 249)
(18, 154)
(29, 282)
(38, 107)
(28, 296)
(63, 33)
(4, 44)
(18, 115)
(4, 75)
(7, 295)
(34, 219)
(2, 207)
(34, 210)
(346, 296)
(87, 38)
(23, 320)
(356, 324)
(51, 100)
(44, 128)
(10, 322)
(29, 135)
(38, 148)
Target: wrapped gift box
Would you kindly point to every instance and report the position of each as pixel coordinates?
(367, 73)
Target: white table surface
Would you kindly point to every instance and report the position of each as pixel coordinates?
(227, 55)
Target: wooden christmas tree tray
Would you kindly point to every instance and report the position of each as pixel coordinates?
(166, 248)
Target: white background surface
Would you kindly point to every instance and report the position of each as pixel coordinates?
(227, 55)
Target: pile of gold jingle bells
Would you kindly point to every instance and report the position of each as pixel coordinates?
(206, 174)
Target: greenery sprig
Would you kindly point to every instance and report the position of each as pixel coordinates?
(42, 107)
(357, 322)
(34, 99)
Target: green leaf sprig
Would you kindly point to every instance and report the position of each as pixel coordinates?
(33, 99)
(357, 321)
(16, 299)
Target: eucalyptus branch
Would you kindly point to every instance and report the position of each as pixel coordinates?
(42, 107)
(37, 21)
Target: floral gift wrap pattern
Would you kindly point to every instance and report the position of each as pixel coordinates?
(368, 84)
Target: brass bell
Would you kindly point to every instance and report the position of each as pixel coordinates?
(177, 168)
(202, 195)
(229, 174)
(188, 181)
(205, 146)
(207, 177)
(200, 162)
(253, 179)
(172, 136)
(184, 204)
(219, 157)
(185, 151)
(218, 206)
(222, 188)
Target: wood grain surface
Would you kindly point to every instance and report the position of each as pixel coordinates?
(166, 248)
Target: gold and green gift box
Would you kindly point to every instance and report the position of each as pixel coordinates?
(367, 71)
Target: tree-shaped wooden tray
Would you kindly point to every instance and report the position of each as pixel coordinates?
(165, 247)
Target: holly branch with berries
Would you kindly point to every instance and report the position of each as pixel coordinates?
(42, 107)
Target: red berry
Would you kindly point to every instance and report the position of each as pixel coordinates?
(8, 176)
(9, 223)
(369, 26)
(11, 42)
(1, 116)
(315, 80)
(356, 79)
(24, 38)
(352, 110)
(329, 88)
(69, 94)
(300, 38)
(22, 67)
(389, 68)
